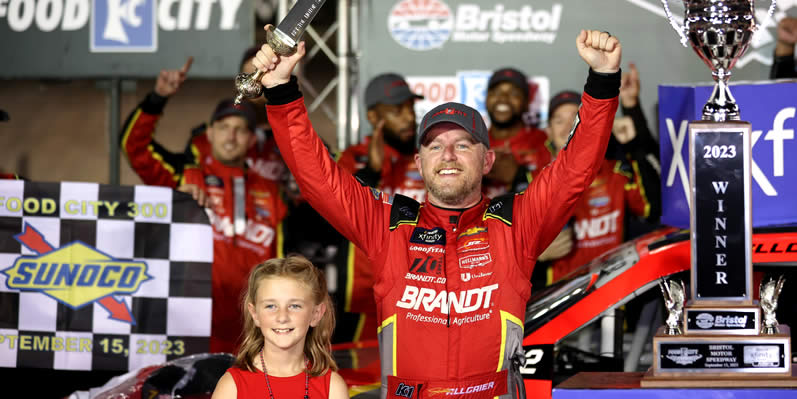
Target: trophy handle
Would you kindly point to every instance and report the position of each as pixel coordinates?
(679, 29)
(772, 5)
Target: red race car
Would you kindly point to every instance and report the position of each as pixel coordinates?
(602, 317)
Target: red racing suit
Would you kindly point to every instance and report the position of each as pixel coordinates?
(399, 175)
(159, 167)
(451, 284)
(531, 150)
(600, 214)
(239, 243)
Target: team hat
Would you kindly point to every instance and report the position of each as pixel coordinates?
(460, 114)
(563, 97)
(510, 75)
(227, 107)
(388, 88)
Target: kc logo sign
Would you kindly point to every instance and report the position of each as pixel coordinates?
(770, 109)
(123, 25)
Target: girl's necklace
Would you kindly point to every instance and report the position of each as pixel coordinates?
(268, 383)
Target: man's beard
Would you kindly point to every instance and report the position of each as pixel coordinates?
(515, 119)
(453, 195)
(404, 147)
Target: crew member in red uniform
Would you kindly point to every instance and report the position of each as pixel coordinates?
(452, 273)
(384, 160)
(244, 209)
(520, 150)
(627, 182)
(156, 165)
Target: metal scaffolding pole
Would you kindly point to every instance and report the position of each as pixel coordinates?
(346, 101)
(343, 74)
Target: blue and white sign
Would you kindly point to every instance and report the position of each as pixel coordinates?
(770, 107)
(124, 26)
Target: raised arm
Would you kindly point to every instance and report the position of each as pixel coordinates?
(153, 163)
(547, 204)
(359, 213)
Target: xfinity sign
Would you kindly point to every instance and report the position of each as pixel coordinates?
(770, 108)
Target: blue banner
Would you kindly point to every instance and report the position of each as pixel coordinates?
(770, 108)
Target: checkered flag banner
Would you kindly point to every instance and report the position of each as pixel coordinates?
(101, 277)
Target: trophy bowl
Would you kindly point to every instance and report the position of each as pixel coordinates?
(719, 31)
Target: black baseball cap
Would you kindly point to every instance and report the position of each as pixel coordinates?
(460, 114)
(563, 97)
(227, 107)
(388, 88)
(510, 75)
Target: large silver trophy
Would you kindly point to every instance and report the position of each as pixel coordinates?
(283, 40)
(722, 340)
(720, 32)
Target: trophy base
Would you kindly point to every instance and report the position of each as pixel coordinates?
(722, 319)
(649, 380)
(722, 356)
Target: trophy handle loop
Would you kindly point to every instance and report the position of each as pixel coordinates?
(678, 28)
(772, 5)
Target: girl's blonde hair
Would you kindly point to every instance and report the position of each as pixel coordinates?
(317, 343)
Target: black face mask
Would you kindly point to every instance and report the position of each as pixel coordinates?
(404, 147)
(515, 119)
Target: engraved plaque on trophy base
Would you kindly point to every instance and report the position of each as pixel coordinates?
(722, 320)
(696, 356)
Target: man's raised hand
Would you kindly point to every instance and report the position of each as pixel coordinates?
(601, 51)
(277, 68)
(169, 81)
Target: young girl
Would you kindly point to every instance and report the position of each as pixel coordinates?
(285, 352)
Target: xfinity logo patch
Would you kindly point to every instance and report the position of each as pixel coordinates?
(123, 26)
(435, 236)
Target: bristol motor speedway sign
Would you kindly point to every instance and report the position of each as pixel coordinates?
(772, 110)
(129, 38)
(439, 43)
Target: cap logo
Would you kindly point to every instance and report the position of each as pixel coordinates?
(393, 85)
(450, 111)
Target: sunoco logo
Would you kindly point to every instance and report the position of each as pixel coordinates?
(425, 25)
(75, 274)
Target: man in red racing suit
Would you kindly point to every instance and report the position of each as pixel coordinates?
(451, 282)
(244, 209)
